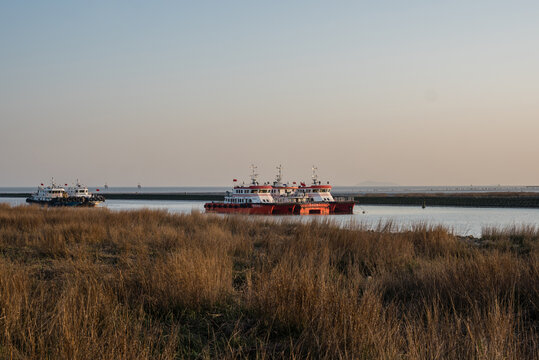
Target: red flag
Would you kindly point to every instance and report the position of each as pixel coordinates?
(302, 184)
(235, 180)
(294, 182)
(96, 189)
(41, 184)
(66, 184)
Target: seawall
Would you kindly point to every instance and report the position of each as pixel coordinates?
(502, 200)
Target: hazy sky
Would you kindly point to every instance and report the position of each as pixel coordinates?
(193, 92)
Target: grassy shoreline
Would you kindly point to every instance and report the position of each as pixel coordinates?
(96, 284)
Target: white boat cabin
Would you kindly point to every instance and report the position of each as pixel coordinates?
(253, 194)
(316, 193)
(47, 193)
(78, 190)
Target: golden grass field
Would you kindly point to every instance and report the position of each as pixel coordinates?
(96, 284)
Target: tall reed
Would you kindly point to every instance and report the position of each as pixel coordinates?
(97, 284)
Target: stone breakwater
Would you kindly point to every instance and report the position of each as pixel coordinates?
(501, 200)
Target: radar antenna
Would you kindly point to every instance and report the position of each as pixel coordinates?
(254, 175)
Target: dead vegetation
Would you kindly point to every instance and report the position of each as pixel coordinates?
(95, 284)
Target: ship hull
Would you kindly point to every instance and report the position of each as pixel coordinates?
(341, 207)
(65, 202)
(281, 208)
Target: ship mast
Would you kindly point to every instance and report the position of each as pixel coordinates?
(279, 176)
(254, 175)
(314, 176)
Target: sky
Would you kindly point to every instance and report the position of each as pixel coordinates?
(190, 93)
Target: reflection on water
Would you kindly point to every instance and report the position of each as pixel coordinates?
(462, 221)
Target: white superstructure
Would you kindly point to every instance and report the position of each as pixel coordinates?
(78, 190)
(250, 194)
(48, 193)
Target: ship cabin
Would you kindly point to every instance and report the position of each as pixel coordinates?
(46, 193)
(282, 192)
(253, 194)
(316, 193)
(78, 191)
(83, 192)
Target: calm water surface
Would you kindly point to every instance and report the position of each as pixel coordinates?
(462, 221)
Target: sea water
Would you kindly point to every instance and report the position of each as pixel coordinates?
(461, 221)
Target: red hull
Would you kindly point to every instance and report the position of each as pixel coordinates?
(342, 207)
(282, 209)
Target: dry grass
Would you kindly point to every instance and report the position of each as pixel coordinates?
(95, 284)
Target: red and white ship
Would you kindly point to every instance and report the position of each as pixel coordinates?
(280, 199)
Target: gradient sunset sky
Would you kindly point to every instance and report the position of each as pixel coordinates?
(192, 92)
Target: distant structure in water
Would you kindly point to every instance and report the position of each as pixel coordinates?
(106, 186)
(139, 186)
